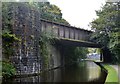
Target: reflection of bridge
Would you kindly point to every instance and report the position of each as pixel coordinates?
(69, 35)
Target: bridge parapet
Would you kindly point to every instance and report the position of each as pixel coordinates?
(64, 31)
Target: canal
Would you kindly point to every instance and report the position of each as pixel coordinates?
(84, 71)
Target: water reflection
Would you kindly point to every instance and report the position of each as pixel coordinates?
(94, 71)
(85, 71)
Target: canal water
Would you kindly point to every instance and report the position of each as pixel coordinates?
(84, 71)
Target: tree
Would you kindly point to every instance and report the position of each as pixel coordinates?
(107, 28)
(50, 12)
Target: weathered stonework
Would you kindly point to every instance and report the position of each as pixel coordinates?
(26, 26)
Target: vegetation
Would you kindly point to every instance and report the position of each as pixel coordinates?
(7, 35)
(73, 54)
(107, 27)
(112, 74)
(94, 50)
(8, 38)
(50, 12)
(81, 52)
(45, 40)
(8, 70)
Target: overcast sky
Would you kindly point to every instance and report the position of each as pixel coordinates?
(79, 13)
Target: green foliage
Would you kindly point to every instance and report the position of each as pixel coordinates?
(69, 53)
(6, 17)
(107, 27)
(114, 45)
(81, 52)
(94, 50)
(45, 40)
(50, 12)
(8, 69)
(73, 54)
(104, 24)
(8, 38)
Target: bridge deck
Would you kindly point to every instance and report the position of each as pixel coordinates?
(77, 43)
(65, 31)
(69, 35)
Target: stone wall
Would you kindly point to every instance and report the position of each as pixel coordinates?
(55, 56)
(26, 26)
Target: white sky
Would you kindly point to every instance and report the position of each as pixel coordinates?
(79, 13)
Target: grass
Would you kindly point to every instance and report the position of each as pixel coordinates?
(112, 74)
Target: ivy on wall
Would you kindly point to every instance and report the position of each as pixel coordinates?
(8, 38)
(46, 39)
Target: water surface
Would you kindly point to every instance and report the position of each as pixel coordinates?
(84, 71)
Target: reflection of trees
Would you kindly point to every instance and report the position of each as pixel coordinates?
(102, 76)
(51, 76)
(94, 71)
(75, 73)
(96, 74)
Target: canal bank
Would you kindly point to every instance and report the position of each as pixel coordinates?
(112, 74)
(84, 71)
